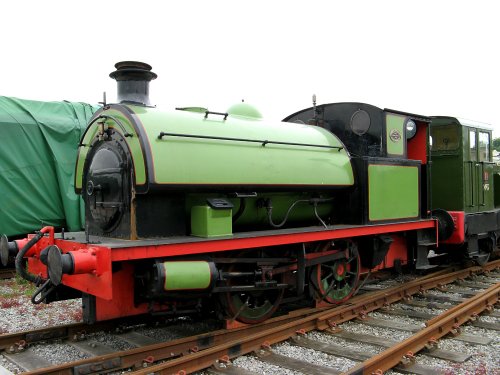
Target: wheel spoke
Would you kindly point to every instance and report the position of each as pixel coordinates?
(253, 306)
(345, 275)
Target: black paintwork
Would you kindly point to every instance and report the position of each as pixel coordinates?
(160, 215)
(337, 117)
(482, 222)
(106, 187)
(129, 114)
(352, 205)
(88, 308)
(132, 78)
(372, 250)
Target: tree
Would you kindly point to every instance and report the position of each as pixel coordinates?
(496, 144)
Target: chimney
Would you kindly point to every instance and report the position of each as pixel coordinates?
(133, 79)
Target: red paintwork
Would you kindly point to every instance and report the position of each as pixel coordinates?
(41, 244)
(50, 231)
(97, 282)
(122, 303)
(319, 304)
(84, 260)
(458, 236)
(141, 252)
(397, 250)
(98, 279)
(308, 256)
(233, 324)
(115, 291)
(21, 243)
(35, 266)
(322, 291)
(311, 256)
(417, 146)
(341, 269)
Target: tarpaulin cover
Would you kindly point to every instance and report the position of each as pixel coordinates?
(38, 147)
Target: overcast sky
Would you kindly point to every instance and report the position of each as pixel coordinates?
(426, 57)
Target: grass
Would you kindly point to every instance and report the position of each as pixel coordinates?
(25, 286)
(14, 299)
(19, 287)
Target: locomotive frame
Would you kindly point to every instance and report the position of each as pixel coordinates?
(105, 271)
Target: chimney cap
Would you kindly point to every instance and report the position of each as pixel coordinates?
(133, 71)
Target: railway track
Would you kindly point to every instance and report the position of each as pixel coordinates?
(216, 349)
(7, 273)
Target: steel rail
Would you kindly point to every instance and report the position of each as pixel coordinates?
(437, 327)
(264, 339)
(385, 297)
(17, 341)
(198, 352)
(138, 357)
(321, 320)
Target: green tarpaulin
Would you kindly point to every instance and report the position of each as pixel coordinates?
(38, 145)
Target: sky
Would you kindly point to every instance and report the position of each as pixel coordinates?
(424, 57)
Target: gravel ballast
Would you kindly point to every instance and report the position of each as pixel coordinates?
(17, 313)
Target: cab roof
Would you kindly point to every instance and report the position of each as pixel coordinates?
(462, 122)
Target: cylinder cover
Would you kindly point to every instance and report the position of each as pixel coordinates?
(186, 275)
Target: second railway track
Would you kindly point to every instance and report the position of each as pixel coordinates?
(215, 349)
(7, 273)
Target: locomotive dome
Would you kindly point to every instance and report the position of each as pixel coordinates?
(244, 110)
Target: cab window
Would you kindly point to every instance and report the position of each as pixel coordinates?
(445, 138)
(472, 146)
(484, 146)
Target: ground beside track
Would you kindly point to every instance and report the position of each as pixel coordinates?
(17, 313)
(485, 364)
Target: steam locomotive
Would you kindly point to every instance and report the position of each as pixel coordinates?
(194, 211)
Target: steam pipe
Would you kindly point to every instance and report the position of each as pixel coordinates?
(20, 268)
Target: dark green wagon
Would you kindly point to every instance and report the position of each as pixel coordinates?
(465, 182)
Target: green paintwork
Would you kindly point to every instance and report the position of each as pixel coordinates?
(447, 168)
(133, 144)
(254, 311)
(458, 174)
(446, 185)
(255, 214)
(192, 161)
(194, 109)
(209, 222)
(331, 285)
(496, 185)
(395, 134)
(244, 110)
(186, 275)
(392, 192)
